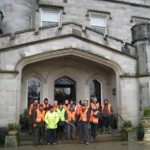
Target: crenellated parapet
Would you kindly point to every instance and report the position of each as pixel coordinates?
(25, 37)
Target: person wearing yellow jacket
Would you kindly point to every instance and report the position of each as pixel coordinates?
(51, 120)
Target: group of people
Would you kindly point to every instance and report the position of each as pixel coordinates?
(49, 122)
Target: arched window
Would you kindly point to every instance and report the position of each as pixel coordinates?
(34, 88)
(95, 90)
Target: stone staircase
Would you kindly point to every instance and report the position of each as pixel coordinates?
(26, 139)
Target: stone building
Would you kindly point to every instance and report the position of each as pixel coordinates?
(74, 49)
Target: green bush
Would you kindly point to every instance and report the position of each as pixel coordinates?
(13, 126)
(127, 123)
(146, 112)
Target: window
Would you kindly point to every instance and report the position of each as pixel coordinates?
(98, 20)
(95, 90)
(98, 23)
(34, 89)
(50, 17)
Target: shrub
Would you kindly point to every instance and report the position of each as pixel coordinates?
(127, 123)
(13, 126)
(24, 121)
(146, 112)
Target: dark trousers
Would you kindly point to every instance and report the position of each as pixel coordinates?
(83, 128)
(107, 120)
(51, 135)
(39, 134)
(94, 130)
(71, 131)
(60, 131)
(31, 125)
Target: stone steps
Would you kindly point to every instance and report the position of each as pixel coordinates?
(26, 139)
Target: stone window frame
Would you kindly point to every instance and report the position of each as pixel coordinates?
(138, 19)
(101, 14)
(51, 8)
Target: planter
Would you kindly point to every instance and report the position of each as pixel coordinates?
(146, 125)
(129, 134)
(12, 132)
(11, 141)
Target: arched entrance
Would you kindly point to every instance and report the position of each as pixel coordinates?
(64, 89)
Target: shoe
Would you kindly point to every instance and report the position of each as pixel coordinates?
(87, 143)
(54, 143)
(48, 143)
(81, 142)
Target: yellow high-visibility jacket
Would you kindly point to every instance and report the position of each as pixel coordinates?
(51, 120)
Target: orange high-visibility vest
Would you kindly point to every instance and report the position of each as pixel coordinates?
(95, 106)
(87, 107)
(109, 107)
(56, 107)
(83, 116)
(31, 107)
(45, 105)
(92, 118)
(71, 115)
(66, 107)
(78, 109)
(40, 115)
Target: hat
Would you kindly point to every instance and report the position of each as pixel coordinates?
(51, 107)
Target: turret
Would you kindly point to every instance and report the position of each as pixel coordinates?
(141, 40)
(19, 15)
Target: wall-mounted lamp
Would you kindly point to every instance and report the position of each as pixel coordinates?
(114, 91)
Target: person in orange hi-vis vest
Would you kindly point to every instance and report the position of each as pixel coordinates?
(38, 120)
(78, 107)
(55, 105)
(71, 121)
(86, 103)
(33, 106)
(83, 125)
(66, 105)
(94, 107)
(106, 112)
(46, 105)
(94, 123)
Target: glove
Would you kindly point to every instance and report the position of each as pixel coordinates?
(34, 125)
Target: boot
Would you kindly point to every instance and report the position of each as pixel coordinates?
(103, 129)
(110, 130)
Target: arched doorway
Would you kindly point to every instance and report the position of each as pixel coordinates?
(64, 89)
(95, 90)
